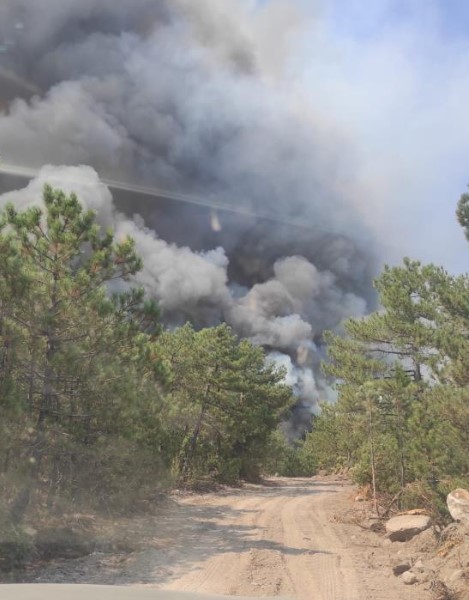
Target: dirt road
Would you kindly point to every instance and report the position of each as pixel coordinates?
(274, 541)
(277, 539)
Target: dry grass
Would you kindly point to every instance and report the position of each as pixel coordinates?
(440, 591)
(448, 545)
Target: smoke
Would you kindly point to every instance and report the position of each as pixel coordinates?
(283, 313)
(178, 277)
(171, 93)
(195, 97)
(305, 385)
(296, 305)
(393, 76)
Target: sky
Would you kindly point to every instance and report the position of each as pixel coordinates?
(392, 76)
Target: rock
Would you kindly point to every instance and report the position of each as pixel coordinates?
(373, 524)
(409, 578)
(424, 542)
(458, 505)
(418, 566)
(422, 572)
(400, 568)
(456, 576)
(405, 527)
(424, 577)
(360, 498)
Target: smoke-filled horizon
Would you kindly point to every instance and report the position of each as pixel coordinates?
(192, 97)
(285, 313)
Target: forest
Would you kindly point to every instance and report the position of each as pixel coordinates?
(102, 405)
(400, 426)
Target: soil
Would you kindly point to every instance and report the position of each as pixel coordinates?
(286, 537)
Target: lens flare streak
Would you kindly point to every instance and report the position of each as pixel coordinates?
(30, 173)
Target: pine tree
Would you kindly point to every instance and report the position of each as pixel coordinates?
(59, 269)
(379, 367)
(225, 399)
(401, 372)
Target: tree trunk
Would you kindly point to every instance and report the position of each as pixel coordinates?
(23, 499)
(400, 442)
(372, 454)
(189, 456)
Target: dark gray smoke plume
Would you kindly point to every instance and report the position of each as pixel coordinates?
(190, 96)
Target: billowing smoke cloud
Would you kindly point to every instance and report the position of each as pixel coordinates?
(297, 304)
(192, 97)
(304, 385)
(284, 313)
(174, 93)
(178, 277)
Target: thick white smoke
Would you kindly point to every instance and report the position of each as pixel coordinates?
(283, 312)
(178, 277)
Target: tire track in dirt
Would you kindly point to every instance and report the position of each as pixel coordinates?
(220, 572)
(289, 547)
(288, 550)
(325, 570)
(281, 538)
(264, 571)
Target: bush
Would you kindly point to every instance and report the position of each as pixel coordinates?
(431, 496)
(16, 545)
(288, 459)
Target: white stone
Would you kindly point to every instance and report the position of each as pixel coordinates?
(458, 505)
(409, 578)
(419, 566)
(405, 527)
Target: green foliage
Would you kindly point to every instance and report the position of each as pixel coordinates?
(431, 496)
(224, 401)
(288, 459)
(462, 213)
(77, 361)
(331, 450)
(99, 405)
(401, 420)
